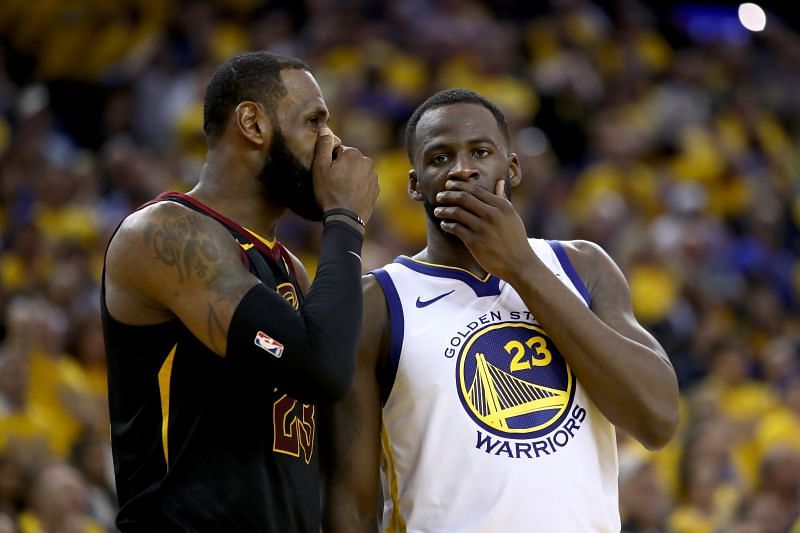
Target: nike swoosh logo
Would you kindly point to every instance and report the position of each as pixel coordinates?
(355, 254)
(246, 246)
(426, 303)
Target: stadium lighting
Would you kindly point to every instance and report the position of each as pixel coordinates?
(752, 16)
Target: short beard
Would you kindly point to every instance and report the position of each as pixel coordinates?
(287, 182)
(437, 221)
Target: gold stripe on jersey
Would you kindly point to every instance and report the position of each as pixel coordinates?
(484, 279)
(268, 243)
(164, 378)
(397, 524)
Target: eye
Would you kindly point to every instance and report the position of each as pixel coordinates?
(439, 159)
(482, 152)
(314, 121)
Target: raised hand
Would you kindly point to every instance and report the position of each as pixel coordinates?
(487, 224)
(343, 177)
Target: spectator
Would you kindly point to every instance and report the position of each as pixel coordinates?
(677, 150)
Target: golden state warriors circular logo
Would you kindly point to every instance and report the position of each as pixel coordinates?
(512, 380)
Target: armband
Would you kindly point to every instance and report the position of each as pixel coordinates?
(345, 212)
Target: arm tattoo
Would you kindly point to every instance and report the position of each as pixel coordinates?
(166, 241)
(178, 242)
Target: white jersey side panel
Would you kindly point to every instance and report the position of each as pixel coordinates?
(485, 427)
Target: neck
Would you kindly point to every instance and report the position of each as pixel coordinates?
(228, 185)
(449, 250)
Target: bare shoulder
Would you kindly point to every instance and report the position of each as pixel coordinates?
(168, 235)
(376, 329)
(370, 285)
(581, 250)
(609, 290)
(374, 297)
(593, 264)
(159, 250)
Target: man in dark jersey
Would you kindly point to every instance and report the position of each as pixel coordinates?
(218, 345)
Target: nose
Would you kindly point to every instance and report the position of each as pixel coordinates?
(337, 145)
(337, 142)
(463, 169)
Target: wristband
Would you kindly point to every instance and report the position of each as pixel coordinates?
(346, 212)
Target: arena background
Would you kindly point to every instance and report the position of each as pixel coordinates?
(668, 134)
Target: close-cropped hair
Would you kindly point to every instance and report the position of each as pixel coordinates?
(253, 76)
(450, 97)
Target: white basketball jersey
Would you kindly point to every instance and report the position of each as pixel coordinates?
(485, 428)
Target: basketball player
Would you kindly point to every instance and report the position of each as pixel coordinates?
(218, 346)
(492, 367)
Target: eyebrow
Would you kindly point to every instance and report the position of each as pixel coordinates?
(474, 141)
(317, 110)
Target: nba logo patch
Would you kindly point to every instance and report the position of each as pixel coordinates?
(268, 344)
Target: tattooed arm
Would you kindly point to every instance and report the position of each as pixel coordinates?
(167, 261)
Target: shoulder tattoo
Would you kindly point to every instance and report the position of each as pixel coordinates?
(178, 242)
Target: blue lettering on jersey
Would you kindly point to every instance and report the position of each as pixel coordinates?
(463, 333)
(536, 448)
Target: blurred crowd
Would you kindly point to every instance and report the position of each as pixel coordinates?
(675, 145)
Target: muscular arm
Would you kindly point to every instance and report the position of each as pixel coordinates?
(624, 369)
(351, 435)
(167, 261)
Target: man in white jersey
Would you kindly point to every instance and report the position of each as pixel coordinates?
(492, 368)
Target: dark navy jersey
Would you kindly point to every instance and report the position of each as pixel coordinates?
(201, 443)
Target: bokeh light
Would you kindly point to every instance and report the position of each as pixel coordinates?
(752, 16)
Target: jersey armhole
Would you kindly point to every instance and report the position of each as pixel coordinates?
(566, 264)
(388, 372)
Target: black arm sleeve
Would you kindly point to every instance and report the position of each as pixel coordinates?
(310, 353)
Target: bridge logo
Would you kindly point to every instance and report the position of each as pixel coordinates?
(513, 382)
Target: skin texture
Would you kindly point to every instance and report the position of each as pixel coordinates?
(167, 261)
(461, 165)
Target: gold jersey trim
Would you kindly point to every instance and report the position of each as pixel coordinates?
(268, 243)
(437, 265)
(164, 380)
(397, 523)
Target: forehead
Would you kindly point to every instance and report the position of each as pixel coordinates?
(302, 91)
(457, 123)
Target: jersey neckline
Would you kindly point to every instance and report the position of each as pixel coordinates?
(273, 251)
(488, 286)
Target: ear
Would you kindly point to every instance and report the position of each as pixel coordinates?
(253, 123)
(514, 169)
(413, 186)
